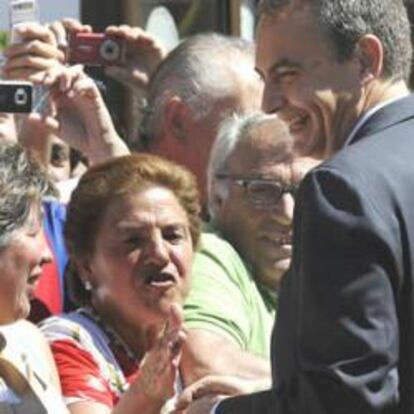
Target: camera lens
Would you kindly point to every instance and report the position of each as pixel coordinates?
(20, 97)
(110, 50)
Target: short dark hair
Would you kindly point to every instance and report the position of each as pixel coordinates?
(345, 21)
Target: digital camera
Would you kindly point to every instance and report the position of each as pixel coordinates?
(21, 11)
(96, 49)
(16, 96)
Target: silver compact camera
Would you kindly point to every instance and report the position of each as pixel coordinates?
(21, 11)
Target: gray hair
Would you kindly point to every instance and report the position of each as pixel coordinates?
(346, 21)
(233, 130)
(198, 71)
(22, 182)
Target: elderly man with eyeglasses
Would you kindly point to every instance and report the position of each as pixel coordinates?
(230, 312)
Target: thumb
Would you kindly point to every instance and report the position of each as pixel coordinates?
(48, 123)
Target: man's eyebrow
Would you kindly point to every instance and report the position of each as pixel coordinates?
(285, 62)
(280, 64)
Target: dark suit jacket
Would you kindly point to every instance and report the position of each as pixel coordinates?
(344, 342)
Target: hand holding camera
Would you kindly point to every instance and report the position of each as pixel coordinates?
(96, 49)
(63, 29)
(31, 57)
(143, 54)
(82, 119)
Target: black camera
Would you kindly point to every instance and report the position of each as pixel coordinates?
(16, 97)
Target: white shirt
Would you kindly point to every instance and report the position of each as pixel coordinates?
(29, 361)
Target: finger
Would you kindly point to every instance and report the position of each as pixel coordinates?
(69, 76)
(178, 411)
(52, 75)
(34, 47)
(172, 326)
(59, 32)
(86, 86)
(111, 29)
(122, 30)
(35, 63)
(73, 25)
(184, 399)
(30, 75)
(148, 41)
(176, 317)
(140, 77)
(22, 74)
(48, 122)
(222, 384)
(209, 385)
(132, 34)
(27, 31)
(45, 77)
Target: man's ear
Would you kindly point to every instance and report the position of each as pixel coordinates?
(370, 53)
(176, 117)
(219, 195)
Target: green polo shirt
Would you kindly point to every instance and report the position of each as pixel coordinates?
(225, 299)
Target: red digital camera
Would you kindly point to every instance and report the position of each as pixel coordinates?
(96, 49)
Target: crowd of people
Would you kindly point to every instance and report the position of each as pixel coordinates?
(251, 253)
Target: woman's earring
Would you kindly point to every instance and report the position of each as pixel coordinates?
(87, 285)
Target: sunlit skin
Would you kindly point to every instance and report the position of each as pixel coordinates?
(319, 97)
(141, 264)
(262, 236)
(59, 162)
(21, 262)
(188, 140)
(246, 96)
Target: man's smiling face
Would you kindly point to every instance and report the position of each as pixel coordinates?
(305, 84)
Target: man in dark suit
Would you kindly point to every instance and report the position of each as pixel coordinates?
(336, 72)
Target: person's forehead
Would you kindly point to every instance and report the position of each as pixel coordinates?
(263, 153)
(287, 37)
(269, 158)
(143, 205)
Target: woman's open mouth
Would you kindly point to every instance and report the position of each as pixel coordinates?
(160, 279)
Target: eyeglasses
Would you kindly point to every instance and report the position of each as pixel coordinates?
(261, 192)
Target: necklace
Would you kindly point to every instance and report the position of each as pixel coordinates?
(116, 343)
